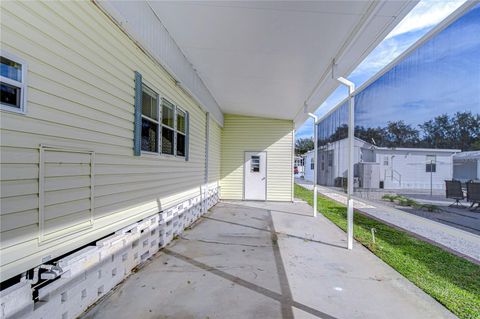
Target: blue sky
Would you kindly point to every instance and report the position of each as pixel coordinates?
(426, 15)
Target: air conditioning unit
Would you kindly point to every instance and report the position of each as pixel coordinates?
(369, 174)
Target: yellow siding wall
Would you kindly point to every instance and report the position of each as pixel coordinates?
(81, 94)
(243, 133)
(215, 136)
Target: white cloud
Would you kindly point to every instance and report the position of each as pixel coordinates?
(386, 52)
(427, 13)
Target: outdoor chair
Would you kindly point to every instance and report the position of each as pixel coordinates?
(473, 195)
(454, 191)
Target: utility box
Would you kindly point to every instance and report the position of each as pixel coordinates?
(369, 174)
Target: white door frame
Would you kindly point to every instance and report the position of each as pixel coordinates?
(245, 171)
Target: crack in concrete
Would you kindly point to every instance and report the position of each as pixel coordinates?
(225, 243)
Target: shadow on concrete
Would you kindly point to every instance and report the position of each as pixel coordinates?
(277, 233)
(285, 298)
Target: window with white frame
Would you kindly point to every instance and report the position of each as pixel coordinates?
(13, 83)
(164, 125)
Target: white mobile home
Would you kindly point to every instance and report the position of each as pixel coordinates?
(389, 168)
(415, 168)
(466, 166)
(309, 165)
(332, 160)
(122, 122)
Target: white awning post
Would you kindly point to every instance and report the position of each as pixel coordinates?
(315, 142)
(351, 140)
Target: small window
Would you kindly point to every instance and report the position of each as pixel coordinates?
(330, 159)
(255, 164)
(312, 164)
(385, 160)
(12, 81)
(431, 164)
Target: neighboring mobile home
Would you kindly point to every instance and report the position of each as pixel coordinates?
(415, 168)
(383, 167)
(466, 166)
(309, 165)
(112, 143)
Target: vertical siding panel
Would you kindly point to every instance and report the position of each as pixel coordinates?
(214, 152)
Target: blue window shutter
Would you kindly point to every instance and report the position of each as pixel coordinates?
(137, 131)
(187, 135)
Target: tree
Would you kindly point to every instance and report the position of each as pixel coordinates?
(340, 133)
(465, 130)
(375, 136)
(475, 145)
(460, 131)
(400, 134)
(437, 133)
(303, 145)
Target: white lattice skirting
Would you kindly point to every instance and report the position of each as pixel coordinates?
(89, 273)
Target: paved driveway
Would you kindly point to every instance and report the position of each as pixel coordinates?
(265, 260)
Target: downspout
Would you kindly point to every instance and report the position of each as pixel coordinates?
(207, 140)
(351, 140)
(315, 142)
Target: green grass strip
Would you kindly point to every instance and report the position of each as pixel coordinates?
(452, 280)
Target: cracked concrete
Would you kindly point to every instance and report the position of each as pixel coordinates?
(266, 260)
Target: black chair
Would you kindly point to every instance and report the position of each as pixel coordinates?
(454, 191)
(473, 194)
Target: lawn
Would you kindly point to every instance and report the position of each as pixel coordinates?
(452, 280)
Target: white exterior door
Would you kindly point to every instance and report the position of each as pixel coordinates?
(255, 186)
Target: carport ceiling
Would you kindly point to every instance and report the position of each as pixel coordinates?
(267, 58)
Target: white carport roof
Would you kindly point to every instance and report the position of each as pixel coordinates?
(471, 155)
(260, 58)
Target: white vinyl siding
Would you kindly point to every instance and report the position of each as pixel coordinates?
(81, 95)
(243, 133)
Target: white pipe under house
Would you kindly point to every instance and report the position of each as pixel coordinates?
(351, 139)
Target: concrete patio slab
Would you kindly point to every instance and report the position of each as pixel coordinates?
(266, 260)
